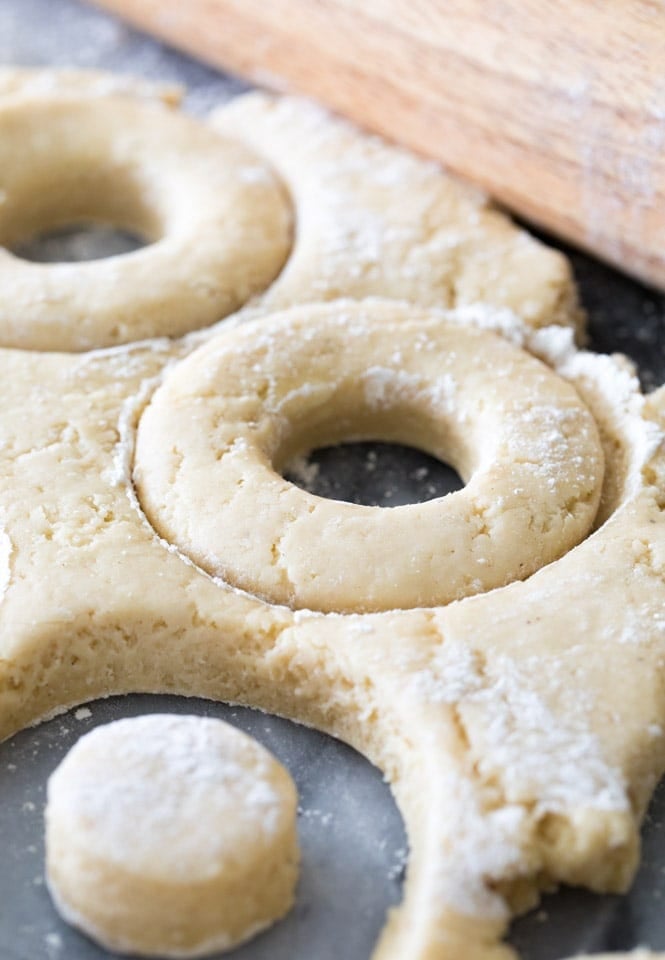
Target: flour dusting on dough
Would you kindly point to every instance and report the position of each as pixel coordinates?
(525, 762)
(188, 756)
(565, 770)
(6, 550)
(386, 386)
(200, 816)
(373, 219)
(609, 386)
(488, 846)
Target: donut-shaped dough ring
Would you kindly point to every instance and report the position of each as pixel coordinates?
(171, 836)
(217, 221)
(218, 430)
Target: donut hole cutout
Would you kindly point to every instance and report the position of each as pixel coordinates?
(201, 849)
(372, 474)
(83, 196)
(79, 242)
(215, 223)
(351, 834)
(214, 440)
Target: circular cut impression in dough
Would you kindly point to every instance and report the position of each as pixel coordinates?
(217, 432)
(171, 836)
(217, 221)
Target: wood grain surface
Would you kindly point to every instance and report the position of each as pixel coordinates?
(556, 107)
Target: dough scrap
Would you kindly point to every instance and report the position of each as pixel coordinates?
(171, 835)
(217, 221)
(493, 709)
(212, 440)
(375, 220)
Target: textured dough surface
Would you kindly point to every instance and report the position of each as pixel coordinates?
(494, 709)
(171, 836)
(216, 221)
(521, 729)
(374, 220)
(217, 431)
(370, 219)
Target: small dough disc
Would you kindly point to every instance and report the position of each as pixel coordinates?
(171, 836)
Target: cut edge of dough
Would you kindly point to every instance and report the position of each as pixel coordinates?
(31, 82)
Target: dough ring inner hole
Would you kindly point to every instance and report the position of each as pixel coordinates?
(212, 443)
(77, 242)
(372, 474)
(79, 198)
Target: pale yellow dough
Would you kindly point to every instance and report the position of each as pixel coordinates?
(171, 836)
(521, 729)
(217, 222)
(369, 219)
(37, 83)
(227, 419)
(531, 716)
(374, 220)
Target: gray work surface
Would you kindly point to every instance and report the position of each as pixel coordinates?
(352, 838)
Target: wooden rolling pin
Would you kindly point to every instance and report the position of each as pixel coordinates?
(555, 107)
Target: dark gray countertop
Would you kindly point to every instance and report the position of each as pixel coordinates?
(352, 837)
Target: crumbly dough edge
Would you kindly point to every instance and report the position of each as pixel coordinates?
(295, 650)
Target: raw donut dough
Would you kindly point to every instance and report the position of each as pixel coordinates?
(37, 83)
(229, 416)
(371, 220)
(521, 729)
(374, 220)
(171, 836)
(218, 222)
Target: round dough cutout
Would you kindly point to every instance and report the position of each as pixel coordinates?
(211, 444)
(171, 836)
(217, 221)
